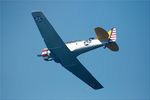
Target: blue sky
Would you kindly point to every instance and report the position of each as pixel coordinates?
(125, 75)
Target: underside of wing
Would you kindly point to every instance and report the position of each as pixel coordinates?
(82, 73)
(61, 52)
(50, 36)
(52, 40)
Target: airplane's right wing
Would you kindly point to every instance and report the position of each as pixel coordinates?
(58, 48)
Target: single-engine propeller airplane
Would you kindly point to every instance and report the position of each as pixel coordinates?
(66, 53)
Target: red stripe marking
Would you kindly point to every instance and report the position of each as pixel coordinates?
(44, 55)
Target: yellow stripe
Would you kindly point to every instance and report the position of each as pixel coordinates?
(109, 33)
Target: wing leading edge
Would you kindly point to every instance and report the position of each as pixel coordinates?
(58, 48)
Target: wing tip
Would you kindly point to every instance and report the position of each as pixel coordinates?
(98, 87)
(35, 12)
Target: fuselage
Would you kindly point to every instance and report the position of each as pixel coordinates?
(81, 46)
(76, 47)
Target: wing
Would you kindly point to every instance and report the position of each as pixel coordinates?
(82, 73)
(61, 52)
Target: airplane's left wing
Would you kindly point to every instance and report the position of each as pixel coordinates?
(82, 73)
(61, 52)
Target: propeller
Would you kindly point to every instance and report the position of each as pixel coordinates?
(39, 55)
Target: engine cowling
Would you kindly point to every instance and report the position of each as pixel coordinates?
(46, 54)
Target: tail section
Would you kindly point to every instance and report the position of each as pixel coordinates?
(109, 37)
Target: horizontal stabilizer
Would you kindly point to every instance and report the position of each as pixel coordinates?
(102, 34)
(113, 46)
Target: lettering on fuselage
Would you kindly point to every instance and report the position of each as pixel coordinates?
(87, 42)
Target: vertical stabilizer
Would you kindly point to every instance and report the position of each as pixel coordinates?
(112, 35)
(112, 45)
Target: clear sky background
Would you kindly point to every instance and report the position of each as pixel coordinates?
(125, 75)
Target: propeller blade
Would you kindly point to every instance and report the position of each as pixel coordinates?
(39, 55)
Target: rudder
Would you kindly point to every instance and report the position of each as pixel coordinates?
(112, 45)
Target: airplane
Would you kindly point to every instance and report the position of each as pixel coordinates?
(66, 53)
